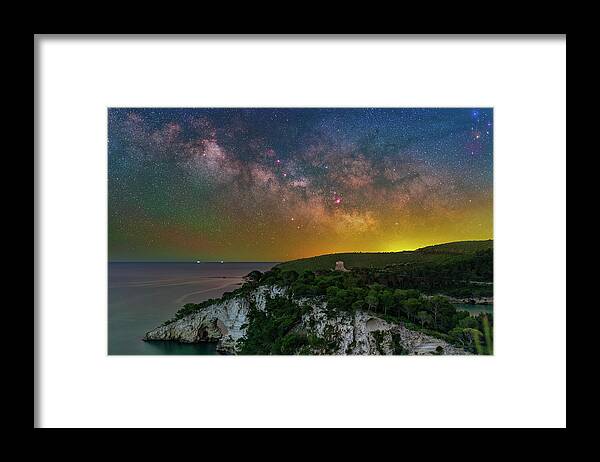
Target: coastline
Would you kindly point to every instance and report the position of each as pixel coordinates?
(143, 295)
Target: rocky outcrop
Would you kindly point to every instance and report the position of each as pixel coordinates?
(364, 334)
(359, 333)
(222, 322)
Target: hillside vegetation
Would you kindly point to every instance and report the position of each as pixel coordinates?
(405, 288)
(441, 254)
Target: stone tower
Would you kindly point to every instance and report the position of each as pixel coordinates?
(339, 266)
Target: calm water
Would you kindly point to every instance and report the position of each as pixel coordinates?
(474, 310)
(142, 296)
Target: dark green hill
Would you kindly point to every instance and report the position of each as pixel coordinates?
(436, 254)
(458, 248)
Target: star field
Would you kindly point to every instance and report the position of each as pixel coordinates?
(279, 184)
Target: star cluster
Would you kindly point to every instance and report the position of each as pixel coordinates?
(277, 184)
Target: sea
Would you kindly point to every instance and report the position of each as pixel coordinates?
(141, 296)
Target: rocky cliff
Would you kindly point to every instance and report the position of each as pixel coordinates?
(359, 333)
(223, 322)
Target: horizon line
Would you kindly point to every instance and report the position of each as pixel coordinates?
(301, 258)
(191, 261)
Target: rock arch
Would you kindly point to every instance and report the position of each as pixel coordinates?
(374, 324)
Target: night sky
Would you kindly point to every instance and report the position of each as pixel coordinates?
(280, 184)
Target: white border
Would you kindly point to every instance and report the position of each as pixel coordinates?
(522, 385)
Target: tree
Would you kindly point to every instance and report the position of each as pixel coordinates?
(307, 276)
(411, 306)
(387, 300)
(253, 276)
(469, 323)
(289, 277)
(436, 304)
(301, 290)
(377, 287)
(424, 317)
(466, 337)
(331, 292)
(412, 293)
(358, 305)
(399, 308)
(371, 301)
(401, 295)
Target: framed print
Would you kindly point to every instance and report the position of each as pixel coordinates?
(254, 231)
(311, 231)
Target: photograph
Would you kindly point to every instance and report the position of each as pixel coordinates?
(246, 232)
(300, 231)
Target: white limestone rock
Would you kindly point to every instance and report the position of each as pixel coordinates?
(341, 333)
(222, 322)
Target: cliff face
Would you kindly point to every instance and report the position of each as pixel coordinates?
(340, 334)
(223, 322)
(364, 334)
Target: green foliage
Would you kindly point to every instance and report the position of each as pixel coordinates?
(468, 338)
(412, 306)
(254, 276)
(290, 344)
(450, 253)
(358, 305)
(271, 331)
(190, 308)
(371, 300)
(397, 293)
(424, 318)
(397, 345)
(289, 277)
(388, 300)
(459, 269)
(348, 292)
(468, 323)
(378, 336)
(458, 248)
(487, 332)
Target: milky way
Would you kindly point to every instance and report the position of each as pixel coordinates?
(279, 184)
